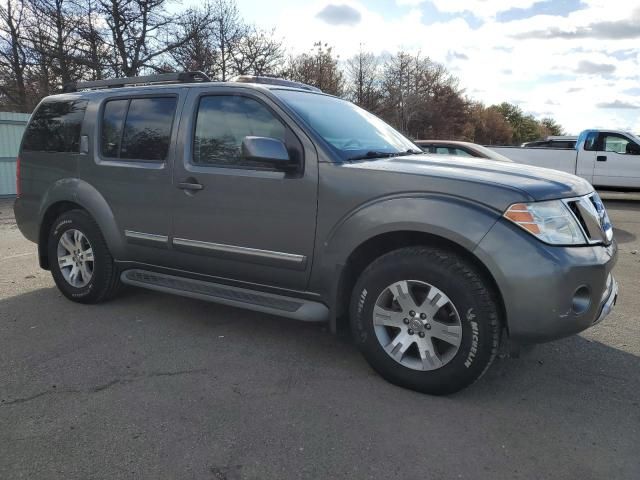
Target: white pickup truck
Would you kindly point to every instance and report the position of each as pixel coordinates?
(606, 158)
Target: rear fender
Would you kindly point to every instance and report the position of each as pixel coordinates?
(86, 196)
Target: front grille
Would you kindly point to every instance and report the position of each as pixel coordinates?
(592, 216)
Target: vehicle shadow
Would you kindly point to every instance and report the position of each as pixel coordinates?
(586, 368)
(623, 236)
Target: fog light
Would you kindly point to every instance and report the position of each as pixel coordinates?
(581, 300)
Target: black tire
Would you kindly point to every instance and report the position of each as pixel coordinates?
(468, 291)
(105, 280)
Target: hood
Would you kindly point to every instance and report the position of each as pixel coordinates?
(536, 182)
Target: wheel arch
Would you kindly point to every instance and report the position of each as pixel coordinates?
(75, 194)
(374, 247)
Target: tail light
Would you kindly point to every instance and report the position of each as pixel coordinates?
(18, 182)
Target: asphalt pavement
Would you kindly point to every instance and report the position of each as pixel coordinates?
(153, 386)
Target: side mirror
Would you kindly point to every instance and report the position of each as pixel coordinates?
(633, 148)
(266, 149)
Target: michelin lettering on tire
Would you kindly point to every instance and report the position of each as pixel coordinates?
(457, 284)
(474, 338)
(60, 225)
(362, 337)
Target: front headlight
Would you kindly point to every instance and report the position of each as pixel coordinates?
(551, 221)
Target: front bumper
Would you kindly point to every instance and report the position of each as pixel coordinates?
(548, 292)
(609, 299)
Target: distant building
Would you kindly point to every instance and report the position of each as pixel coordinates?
(12, 126)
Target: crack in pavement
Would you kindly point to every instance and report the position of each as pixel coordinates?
(105, 386)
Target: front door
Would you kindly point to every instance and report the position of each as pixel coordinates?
(616, 164)
(238, 219)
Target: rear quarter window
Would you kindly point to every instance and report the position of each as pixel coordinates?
(55, 127)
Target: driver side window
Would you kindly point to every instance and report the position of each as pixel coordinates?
(615, 143)
(222, 123)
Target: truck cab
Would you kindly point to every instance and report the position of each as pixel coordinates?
(609, 158)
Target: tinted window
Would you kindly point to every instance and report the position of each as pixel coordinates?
(223, 122)
(615, 143)
(112, 121)
(461, 153)
(590, 142)
(55, 127)
(138, 129)
(147, 130)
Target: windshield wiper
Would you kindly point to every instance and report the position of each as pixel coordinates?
(375, 154)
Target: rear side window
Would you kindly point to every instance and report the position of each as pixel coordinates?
(590, 142)
(223, 122)
(55, 127)
(138, 128)
(461, 153)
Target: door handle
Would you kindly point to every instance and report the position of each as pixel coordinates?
(190, 186)
(601, 158)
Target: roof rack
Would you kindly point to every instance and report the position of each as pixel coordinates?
(161, 78)
(273, 81)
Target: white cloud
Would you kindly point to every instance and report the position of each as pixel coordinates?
(481, 8)
(498, 67)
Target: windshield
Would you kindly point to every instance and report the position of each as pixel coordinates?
(635, 138)
(353, 132)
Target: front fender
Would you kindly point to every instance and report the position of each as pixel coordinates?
(85, 195)
(455, 219)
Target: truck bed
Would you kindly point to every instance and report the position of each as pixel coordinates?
(557, 158)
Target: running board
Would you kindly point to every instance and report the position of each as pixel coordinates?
(290, 307)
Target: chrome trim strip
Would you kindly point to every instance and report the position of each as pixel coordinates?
(253, 252)
(609, 302)
(593, 218)
(152, 237)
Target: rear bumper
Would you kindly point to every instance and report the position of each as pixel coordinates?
(548, 292)
(26, 214)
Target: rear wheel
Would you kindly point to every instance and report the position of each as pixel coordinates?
(425, 319)
(81, 264)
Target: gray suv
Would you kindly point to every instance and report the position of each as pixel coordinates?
(269, 195)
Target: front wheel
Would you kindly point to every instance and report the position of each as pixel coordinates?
(425, 319)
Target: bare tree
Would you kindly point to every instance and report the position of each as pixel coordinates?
(199, 52)
(229, 30)
(258, 53)
(423, 99)
(53, 32)
(93, 47)
(13, 57)
(398, 80)
(363, 81)
(318, 68)
(140, 33)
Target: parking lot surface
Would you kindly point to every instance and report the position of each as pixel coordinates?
(163, 387)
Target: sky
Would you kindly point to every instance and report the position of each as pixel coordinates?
(577, 61)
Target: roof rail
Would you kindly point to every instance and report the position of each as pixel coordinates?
(273, 81)
(161, 78)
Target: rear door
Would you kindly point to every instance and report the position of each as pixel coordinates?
(134, 140)
(245, 221)
(615, 165)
